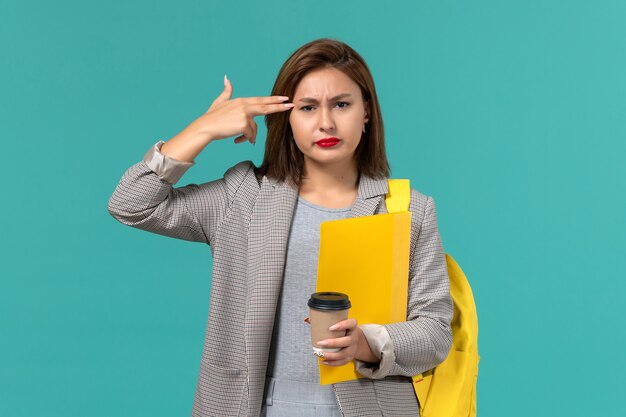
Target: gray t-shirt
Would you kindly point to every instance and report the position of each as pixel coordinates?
(291, 356)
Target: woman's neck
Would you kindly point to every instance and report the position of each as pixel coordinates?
(330, 185)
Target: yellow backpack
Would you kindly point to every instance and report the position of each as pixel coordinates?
(449, 389)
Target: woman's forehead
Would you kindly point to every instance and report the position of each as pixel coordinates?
(327, 83)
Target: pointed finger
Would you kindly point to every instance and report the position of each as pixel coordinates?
(265, 100)
(261, 109)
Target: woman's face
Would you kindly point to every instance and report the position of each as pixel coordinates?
(328, 104)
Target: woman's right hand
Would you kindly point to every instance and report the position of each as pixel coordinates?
(228, 117)
(224, 118)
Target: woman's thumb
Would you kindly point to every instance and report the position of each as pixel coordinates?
(225, 95)
(228, 89)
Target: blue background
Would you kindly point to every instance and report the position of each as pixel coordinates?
(509, 113)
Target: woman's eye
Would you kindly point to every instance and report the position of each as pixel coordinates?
(305, 108)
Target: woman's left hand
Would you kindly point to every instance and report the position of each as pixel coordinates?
(349, 343)
(353, 345)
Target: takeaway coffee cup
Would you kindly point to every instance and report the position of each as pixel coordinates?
(326, 309)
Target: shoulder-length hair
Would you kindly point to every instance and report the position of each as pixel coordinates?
(282, 160)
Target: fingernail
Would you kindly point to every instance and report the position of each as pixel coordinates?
(225, 80)
(288, 104)
(333, 327)
(325, 363)
(322, 343)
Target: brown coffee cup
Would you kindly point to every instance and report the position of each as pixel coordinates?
(326, 309)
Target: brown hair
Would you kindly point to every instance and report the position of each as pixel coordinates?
(282, 160)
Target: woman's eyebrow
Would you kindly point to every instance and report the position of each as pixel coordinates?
(312, 100)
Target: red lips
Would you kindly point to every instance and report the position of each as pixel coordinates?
(327, 142)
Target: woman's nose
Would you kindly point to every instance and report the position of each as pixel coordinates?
(327, 121)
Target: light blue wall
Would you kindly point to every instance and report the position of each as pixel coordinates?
(510, 114)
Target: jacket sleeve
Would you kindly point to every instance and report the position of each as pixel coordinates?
(146, 199)
(423, 341)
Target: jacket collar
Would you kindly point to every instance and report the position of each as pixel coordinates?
(372, 187)
(368, 186)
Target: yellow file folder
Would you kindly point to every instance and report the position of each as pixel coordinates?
(368, 259)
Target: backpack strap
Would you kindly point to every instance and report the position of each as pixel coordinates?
(399, 195)
(397, 200)
(449, 389)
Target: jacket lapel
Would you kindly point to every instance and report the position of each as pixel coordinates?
(370, 194)
(267, 243)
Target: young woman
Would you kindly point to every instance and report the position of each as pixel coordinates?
(324, 159)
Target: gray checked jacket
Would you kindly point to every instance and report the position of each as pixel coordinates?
(245, 219)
